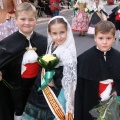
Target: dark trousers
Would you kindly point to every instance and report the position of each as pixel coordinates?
(20, 95)
(55, 12)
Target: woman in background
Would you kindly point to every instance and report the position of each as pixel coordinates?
(80, 21)
(98, 13)
(55, 7)
(7, 10)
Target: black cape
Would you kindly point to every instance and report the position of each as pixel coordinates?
(92, 68)
(15, 45)
(112, 15)
(12, 49)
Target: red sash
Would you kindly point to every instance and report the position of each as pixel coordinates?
(32, 70)
(102, 87)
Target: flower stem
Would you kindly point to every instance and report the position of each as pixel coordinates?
(7, 84)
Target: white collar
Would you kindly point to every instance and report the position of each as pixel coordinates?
(27, 37)
(100, 50)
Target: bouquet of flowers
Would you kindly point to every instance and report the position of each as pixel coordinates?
(48, 62)
(107, 110)
(88, 11)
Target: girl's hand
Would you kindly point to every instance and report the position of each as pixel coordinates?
(51, 83)
(107, 17)
(0, 75)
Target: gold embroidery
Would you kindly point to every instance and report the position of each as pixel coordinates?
(55, 106)
(42, 73)
(34, 48)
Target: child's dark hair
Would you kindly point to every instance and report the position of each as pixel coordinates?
(57, 20)
(105, 27)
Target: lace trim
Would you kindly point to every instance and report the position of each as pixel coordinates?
(69, 80)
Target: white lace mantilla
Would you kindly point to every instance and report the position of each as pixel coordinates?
(67, 55)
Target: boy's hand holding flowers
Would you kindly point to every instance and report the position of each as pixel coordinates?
(48, 62)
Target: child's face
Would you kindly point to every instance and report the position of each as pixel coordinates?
(58, 33)
(104, 41)
(26, 22)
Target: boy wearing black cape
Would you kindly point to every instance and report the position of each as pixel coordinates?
(98, 71)
(18, 60)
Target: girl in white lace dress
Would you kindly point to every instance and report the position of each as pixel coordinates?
(63, 85)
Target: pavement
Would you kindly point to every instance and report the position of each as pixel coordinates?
(64, 12)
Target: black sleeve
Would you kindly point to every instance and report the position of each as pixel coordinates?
(5, 56)
(78, 101)
(91, 11)
(117, 86)
(58, 77)
(104, 12)
(116, 11)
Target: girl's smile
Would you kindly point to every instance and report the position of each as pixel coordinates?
(58, 33)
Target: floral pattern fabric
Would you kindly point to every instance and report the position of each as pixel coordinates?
(7, 28)
(80, 22)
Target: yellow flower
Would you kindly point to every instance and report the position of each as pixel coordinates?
(86, 9)
(48, 57)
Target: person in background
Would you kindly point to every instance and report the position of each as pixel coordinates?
(18, 60)
(55, 7)
(117, 21)
(110, 2)
(98, 13)
(7, 15)
(48, 11)
(80, 21)
(45, 7)
(114, 17)
(97, 71)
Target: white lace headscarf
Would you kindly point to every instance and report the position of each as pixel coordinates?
(68, 59)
